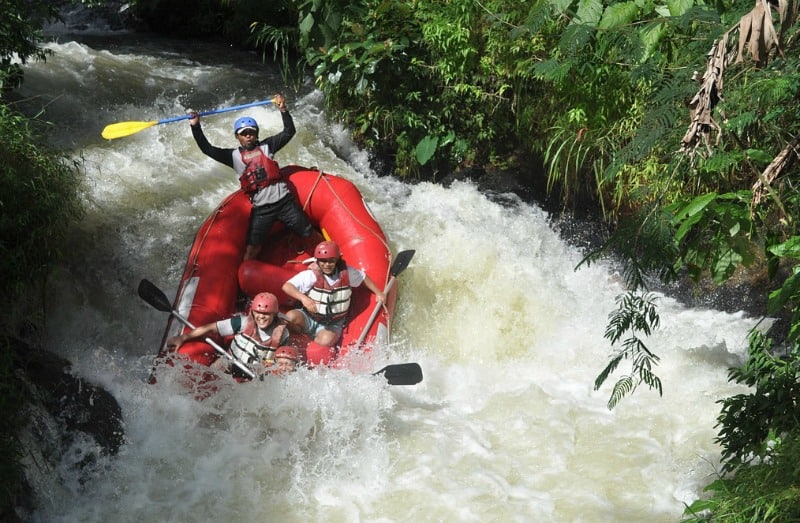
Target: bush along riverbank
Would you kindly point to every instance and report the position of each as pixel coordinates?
(622, 105)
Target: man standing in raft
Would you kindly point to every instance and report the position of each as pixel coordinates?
(259, 175)
(256, 335)
(324, 290)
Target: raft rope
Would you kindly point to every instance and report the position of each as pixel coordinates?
(191, 266)
(321, 177)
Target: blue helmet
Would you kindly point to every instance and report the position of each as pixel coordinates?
(245, 122)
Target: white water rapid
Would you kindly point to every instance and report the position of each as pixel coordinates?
(505, 427)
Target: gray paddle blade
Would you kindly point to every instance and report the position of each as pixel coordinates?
(402, 374)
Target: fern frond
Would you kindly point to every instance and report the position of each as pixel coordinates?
(623, 386)
(539, 16)
(635, 314)
(720, 162)
(651, 380)
(551, 70)
(610, 368)
(574, 38)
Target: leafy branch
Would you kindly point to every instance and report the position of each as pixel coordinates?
(635, 314)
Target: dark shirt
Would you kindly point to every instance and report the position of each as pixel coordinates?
(225, 155)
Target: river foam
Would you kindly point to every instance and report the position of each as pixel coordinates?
(506, 425)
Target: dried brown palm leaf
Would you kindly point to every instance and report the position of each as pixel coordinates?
(757, 34)
(709, 95)
(784, 159)
(757, 39)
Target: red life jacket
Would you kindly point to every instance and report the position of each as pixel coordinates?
(260, 170)
(333, 301)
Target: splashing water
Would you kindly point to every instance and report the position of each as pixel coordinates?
(506, 425)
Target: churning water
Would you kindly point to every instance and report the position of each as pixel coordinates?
(506, 425)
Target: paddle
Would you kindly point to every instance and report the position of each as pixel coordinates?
(400, 263)
(155, 297)
(118, 130)
(401, 374)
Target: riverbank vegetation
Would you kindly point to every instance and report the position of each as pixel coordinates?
(39, 199)
(675, 121)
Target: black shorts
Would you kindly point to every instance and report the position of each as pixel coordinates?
(286, 210)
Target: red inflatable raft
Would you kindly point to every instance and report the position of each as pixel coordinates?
(215, 278)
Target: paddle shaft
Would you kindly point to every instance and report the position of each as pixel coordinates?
(215, 111)
(120, 129)
(216, 346)
(401, 262)
(374, 314)
(157, 299)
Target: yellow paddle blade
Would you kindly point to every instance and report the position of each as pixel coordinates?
(118, 130)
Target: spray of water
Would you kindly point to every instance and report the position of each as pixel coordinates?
(506, 425)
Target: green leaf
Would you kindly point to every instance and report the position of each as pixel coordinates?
(307, 24)
(725, 263)
(651, 36)
(789, 249)
(589, 12)
(759, 155)
(560, 6)
(617, 15)
(780, 297)
(551, 70)
(448, 139)
(426, 148)
(694, 207)
(679, 7)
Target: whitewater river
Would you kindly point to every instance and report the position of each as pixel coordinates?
(506, 425)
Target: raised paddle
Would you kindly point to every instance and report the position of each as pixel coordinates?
(401, 261)
(121, 129)
(155, 297)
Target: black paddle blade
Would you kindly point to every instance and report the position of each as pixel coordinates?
(402, 374)
(153, 295)
(401, 261)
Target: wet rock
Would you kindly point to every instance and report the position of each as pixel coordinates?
(78, 404)
(72, 426)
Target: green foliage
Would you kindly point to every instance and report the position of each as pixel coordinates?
(39, 199)
(425, 82)
(788, 295)
(20, 31)
(760, 439)
(618, 65)
(713, 234)
(10, 421)
(764, 493)
(644, 247)
(635, 314)
(750, 422)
